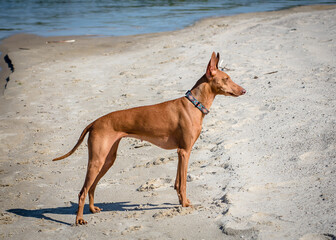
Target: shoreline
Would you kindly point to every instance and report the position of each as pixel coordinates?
(263, 167)
(50, 26)
(10, 44)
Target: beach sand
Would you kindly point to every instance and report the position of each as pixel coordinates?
(263, 167)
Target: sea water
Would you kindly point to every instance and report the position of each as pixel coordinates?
(115, 18)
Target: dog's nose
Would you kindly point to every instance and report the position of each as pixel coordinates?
(243, 91)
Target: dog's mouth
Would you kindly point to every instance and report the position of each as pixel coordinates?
(228, 93)
(231, 94)
(235, 94)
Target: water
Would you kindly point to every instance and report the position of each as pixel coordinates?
(115, 18)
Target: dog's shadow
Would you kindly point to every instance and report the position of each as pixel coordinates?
(71, 210)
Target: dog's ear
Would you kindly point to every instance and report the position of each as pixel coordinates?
(212, 66)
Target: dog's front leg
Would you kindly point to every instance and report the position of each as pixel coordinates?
(181, 177)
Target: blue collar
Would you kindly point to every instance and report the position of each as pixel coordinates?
(197, 104)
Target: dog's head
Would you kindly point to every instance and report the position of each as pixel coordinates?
(219, 81)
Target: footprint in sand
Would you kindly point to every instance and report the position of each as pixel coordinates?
(173, 212)
(5, 218)
(156, 162)
(317, 236)
(155, 184)
(131, 229)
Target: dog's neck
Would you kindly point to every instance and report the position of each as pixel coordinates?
(203, 93)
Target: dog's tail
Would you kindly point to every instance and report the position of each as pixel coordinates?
(80, 140)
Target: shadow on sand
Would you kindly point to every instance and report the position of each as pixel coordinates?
(71, 210)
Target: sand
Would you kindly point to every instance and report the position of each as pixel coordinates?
(263, 167)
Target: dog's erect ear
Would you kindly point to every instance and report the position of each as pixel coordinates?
(212, 66)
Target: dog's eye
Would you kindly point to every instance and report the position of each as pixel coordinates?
(225, 79)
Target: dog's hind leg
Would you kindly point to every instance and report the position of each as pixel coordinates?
(99, 147)
(107, 165)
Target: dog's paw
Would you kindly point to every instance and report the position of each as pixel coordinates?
(186, 203)
(95, 209)
(80, 221)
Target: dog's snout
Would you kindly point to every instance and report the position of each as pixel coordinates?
(243, 91)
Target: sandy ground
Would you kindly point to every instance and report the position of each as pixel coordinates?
(263, 167)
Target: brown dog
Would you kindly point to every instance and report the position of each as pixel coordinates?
(175, 124)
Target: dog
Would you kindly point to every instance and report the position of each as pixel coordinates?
(174, 124)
